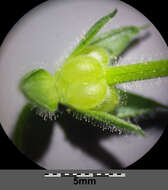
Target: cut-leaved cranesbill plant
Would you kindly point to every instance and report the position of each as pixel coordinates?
(86, 82)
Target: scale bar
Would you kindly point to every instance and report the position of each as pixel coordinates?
(58, 175)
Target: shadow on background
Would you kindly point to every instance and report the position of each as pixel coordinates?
(32, 135)
(87, 137)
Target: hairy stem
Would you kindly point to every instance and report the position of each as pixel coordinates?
(139, 71)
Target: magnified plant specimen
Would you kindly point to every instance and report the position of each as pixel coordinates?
(85, 84)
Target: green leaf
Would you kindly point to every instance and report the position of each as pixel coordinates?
(132, 105)
(39, 87)
(115, 41)
(92, 32)
(107, 120)
(139, 71)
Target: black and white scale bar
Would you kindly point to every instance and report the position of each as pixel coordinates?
(50, 174)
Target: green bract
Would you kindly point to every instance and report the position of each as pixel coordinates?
(85, 82)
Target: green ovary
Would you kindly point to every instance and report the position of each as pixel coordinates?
(82, 83)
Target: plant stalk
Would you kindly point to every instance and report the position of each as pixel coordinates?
(139, 71)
